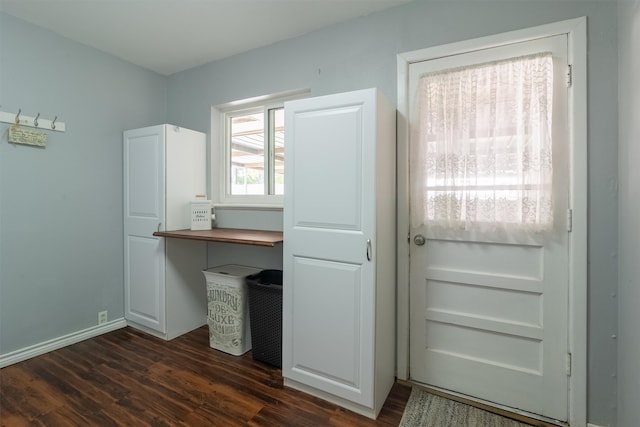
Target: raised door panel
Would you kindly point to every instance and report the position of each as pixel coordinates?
(327, 347)
(145, 294)
(144, 184)
(328, 169)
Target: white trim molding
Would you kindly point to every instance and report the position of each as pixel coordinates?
(60, 342)
(576, 31)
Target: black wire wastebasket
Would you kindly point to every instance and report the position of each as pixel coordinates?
(265, 313)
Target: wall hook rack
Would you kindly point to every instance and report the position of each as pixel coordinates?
(34, 122)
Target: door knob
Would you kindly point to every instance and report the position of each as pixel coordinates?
(419, 240)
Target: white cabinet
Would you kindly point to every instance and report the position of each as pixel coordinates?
(164, 169)
(339, 249)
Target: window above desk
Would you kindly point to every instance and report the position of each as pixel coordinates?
(247, 150)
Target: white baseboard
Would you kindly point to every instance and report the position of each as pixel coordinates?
(593, 425)
(56, 343)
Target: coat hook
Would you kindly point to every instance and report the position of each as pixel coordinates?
(35, 121)
(18, 116)
(53, 123)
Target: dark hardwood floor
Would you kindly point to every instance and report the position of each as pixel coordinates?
(128, 378)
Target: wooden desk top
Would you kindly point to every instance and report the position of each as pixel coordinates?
(228, 235)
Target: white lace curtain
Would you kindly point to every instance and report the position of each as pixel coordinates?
(481, 154)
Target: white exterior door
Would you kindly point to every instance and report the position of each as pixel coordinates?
(144, 213)
(329, 233)
(488, 317)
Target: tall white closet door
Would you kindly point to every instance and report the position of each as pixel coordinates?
(164, 170)
(144, 213)
(330, 251)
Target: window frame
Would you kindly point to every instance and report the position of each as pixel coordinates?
(221, 150)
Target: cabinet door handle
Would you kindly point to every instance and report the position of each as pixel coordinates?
(159, 224)
(368, 249)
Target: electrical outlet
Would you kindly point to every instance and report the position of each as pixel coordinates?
(102, 317)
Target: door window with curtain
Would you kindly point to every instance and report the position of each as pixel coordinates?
(482, 158)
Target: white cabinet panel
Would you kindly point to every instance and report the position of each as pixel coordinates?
(327, 297)
(164, 169)
(339, 249)
(145, 299)
(145, 192)
(328, 168)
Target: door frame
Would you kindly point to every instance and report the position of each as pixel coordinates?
(576, 30)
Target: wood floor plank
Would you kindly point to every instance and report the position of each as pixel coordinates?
(151, 397)
(128, 378)
(23, 393)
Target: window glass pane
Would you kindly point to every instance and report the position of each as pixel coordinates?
(277, 120)
(247, 154)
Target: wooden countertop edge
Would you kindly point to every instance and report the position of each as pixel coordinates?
(227, 235)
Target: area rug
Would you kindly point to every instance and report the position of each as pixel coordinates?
(428, 410)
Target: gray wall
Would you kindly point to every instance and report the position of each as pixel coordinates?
(362, 53)
(629, 230)
(61, 256)
(60, 208)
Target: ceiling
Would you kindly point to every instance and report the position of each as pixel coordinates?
(168, 36)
